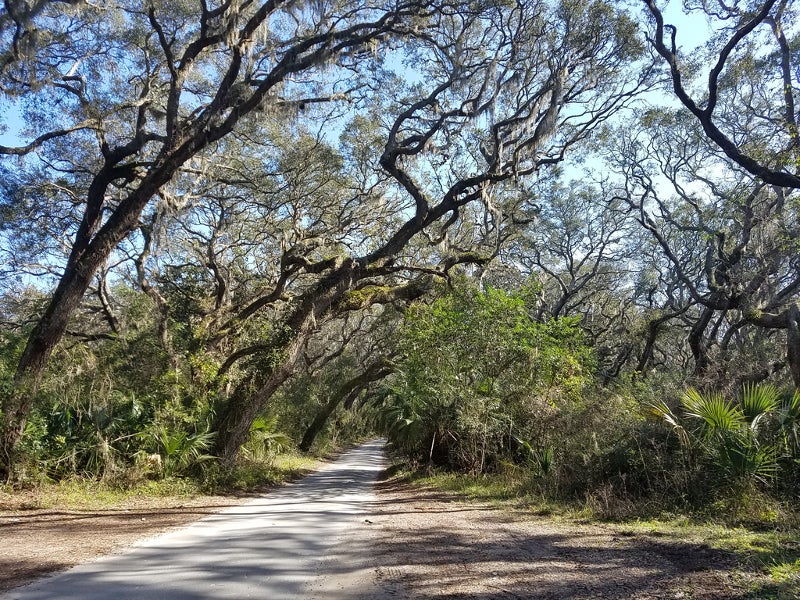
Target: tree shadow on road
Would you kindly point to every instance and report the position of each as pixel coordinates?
(444, 549)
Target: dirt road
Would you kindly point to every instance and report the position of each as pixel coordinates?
(272, 547)
(340, 542)
(431, 545)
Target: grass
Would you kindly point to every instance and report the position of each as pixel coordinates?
(473, 487)
(253, 476)
(88, 494)
(504, 490)
(767, 561)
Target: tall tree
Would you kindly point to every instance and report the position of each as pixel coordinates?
(496, 93)
(182, 76)
(729, 239)
(751, 66)
(502, 91)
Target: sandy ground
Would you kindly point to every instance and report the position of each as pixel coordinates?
(434, 546)
(411, 544)
(35, 542)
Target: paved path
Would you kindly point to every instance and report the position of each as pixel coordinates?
(276, 547)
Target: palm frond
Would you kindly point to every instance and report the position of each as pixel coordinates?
(759, 400)
(178, 450)
(713, 410)
(265, 440)
(663, 412)
(789, 421)
(740, 457)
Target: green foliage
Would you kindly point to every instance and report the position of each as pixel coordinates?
(716, 414)
(728, 431)
(539, 460)
(98, 398)
(758, 401)
(247, 474)
(265, 441)
(737, 442)
(263, 218)
(177, 450)
(479, 379)
(789, 422)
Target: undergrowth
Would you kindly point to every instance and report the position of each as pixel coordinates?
(248, 475)
(80, 493)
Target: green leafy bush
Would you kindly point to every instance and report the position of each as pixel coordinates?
(482, 381)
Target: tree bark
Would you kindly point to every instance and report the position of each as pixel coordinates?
(344, 392)
(793, 343)
(41, 342)
(243, 408)
(697, 344)
(653, 328)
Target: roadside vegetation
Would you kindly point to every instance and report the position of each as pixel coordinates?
(761, 545)
(88, 494)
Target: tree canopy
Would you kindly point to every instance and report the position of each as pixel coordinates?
(470, 224)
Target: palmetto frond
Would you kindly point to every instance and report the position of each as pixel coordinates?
(759, 400)
(730, 430)
(740, 456)
(662, 411)
(265, 440)
(789, 421)
(713, 410)
(178, 449)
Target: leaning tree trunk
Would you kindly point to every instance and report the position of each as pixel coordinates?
(697, 343)
(94, 242)
(330, 295)
(43, 339)
(789, 319)
(653, 329)
(243, 408)
(343, 394)
(46, 335)
(793, 343)
(184, 138)
(87, 256)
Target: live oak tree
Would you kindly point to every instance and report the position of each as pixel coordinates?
(500, 95)
(746, 104)
(494, 93)
(729, 241)
(232, 265)
(714, 185)
(578, 247)
(118, 99)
